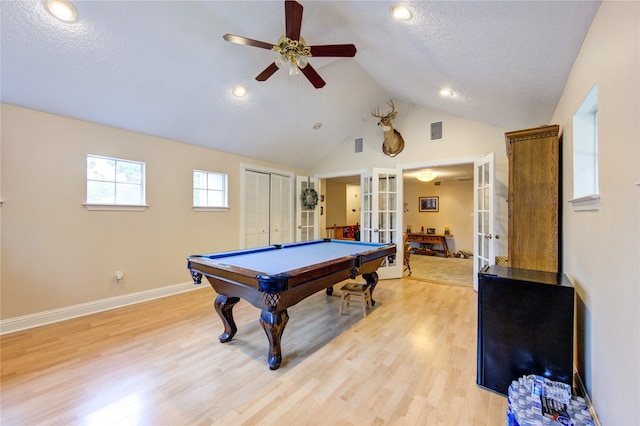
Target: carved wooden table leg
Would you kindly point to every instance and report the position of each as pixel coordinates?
(224, 307)
(372, 280)
(274, 324)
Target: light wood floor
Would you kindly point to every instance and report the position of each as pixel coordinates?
(412, 361)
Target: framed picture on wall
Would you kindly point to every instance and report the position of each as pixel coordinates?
(428, 204)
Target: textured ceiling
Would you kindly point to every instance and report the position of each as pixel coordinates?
(162, 68)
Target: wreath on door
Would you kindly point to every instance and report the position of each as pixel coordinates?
(309, 198)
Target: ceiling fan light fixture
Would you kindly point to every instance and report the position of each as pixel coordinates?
(400, 13)
(426, 177)
(281, 61)
(295, 52)
(302, 61)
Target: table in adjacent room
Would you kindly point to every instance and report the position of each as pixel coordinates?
(275, 277)
(427, 242)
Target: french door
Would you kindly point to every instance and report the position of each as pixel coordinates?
(307, 218)
(381, 192)
(484, 217)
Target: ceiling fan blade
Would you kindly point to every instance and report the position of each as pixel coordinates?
(313, 76)
(342, 50)
(247, 41)
(293, 19)
(268, 72)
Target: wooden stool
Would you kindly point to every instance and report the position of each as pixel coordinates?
(363, 291)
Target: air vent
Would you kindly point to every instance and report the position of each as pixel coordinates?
(437, 131)
(358, 145)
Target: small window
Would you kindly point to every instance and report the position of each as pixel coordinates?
(115, 182)
(209, 189)
(585, 153)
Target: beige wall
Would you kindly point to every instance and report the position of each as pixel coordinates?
(55, 253)
(455, 210)
(353, 205)
(602, 248)
(335, 203)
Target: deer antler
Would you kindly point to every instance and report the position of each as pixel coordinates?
(393, 109)
(376, 113)
(391, 115)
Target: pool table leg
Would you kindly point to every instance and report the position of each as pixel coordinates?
(274, 324)
(224, 307)
(372, 280)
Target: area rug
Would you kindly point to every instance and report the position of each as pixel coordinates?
(439, 269)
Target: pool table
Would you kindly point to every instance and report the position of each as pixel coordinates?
(275, 277)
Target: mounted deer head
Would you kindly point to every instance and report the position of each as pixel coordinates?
(393, 143)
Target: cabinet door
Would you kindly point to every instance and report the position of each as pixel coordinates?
(534, 174)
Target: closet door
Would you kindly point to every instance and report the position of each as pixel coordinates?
(281, 209)
(256, 211)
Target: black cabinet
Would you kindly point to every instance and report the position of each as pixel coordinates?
(525, 326)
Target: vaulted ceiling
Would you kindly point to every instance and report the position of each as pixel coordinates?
(162, 67)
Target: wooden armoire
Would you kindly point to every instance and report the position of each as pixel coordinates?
(534, 198)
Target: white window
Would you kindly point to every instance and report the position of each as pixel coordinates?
(585, 154)
(115, 182)
(209, 189)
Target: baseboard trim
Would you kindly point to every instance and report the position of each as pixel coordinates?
(587, 398)
(24, 322)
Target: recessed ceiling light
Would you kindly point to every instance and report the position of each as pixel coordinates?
(446, 92)
(239, 91)
(401, 13)
(62, 10)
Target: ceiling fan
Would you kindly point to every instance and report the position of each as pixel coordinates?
(293, 50)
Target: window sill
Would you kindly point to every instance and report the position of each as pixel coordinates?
(588, 202)
(115, 207)
(209, 209)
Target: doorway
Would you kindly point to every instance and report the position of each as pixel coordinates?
(438, 209)
(453, 186)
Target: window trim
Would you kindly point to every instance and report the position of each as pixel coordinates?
(588, 137)
(114, 206)
(588, 202)
(225, 192)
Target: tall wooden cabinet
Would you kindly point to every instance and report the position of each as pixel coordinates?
(534, 198)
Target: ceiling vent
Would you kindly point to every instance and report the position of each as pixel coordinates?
(358, 145)
(437, 131)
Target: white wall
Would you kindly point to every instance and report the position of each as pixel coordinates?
(56, 253)
(602, 248)
(462, 138)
